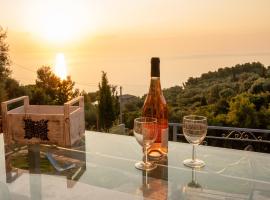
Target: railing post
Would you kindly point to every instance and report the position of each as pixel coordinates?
(66, 124)
(175, 133)
(26, 103)
(82, 121)
(4, 117)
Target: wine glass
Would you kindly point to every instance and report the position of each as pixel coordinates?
(145, 132)
(194, 129)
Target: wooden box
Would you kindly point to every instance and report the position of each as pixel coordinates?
(43, 124)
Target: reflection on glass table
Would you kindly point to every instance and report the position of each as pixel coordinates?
(155, 182)
(104, 169)
(193, 189)
(44, 159)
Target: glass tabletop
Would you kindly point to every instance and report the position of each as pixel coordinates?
(102, 167)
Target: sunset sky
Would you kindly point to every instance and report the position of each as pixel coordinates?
(120, 36)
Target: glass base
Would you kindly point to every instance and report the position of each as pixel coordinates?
(194, 163)
(145, 166)
(155, 154)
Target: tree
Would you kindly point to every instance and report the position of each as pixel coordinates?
(106, 111)
(115, 99)
(266, 85)
(221, 107)
(48, 82)
(56, 91)
(214, 93)
(9, 87)
(242, 112)
(128, 118)
(203, 101)
(4, 64)
(171, 94)
(65, 91)
(4, 57)
(36, 95)
(90, 112)
(3, 93)
(13, 88)
(226, 93)
(257, 86)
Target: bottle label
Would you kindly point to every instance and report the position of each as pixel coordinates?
(164, 137)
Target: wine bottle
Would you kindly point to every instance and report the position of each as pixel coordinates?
(155, 106)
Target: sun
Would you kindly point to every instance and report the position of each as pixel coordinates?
(60, 67)
(62, 21)
(57, 29)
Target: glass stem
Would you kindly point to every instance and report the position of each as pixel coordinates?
(193, 153)
(145, 153)
(193, 175)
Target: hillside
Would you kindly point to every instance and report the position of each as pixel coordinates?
(233, 96)
(236, 96)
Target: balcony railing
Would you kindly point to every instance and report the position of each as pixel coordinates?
(231, 137)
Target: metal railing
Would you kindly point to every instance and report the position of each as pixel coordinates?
(217, 133)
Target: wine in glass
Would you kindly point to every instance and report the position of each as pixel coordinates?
(145, 132)
(194, 129)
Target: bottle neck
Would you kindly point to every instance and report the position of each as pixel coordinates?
(155, 86)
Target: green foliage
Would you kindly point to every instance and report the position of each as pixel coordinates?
(9, 88)
(129, 117)
(65, 91)
(115, 101)
(171, 94)
(175, 114)
(131, 110)
(4, 64)
(107, 101)
(47, 82)
(236, 96)
(242, 112)
(226, 93)
(50, 89)
(36, 95)
(91, 96)
(4, 56)
(257, 86)
(214, 93)
(221, 107)
(90, 110)
(266, 85)
(203, 101)
(90, 115)
(13, 88)
(3, 93)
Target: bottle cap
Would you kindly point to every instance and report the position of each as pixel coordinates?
(155, 70)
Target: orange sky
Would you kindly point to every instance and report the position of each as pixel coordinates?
(120, 37)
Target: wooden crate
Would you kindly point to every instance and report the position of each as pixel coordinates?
(43, 124)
